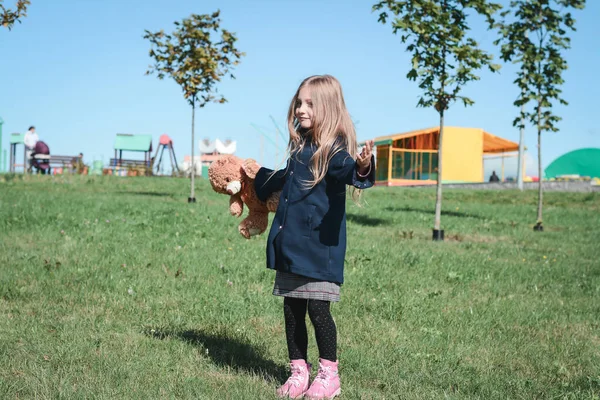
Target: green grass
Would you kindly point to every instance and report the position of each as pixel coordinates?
(117, 288)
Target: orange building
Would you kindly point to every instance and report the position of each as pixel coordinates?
(412, 157)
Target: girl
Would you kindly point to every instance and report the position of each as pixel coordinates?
(307, 240)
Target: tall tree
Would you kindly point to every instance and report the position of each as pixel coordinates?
(444, 57)
(533, 34)
(8, 17)
(196, 60)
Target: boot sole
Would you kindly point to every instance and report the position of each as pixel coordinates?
(287, 396)
(335, 394)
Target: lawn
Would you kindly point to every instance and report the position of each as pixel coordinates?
(116, 288)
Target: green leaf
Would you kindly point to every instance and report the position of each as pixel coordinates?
(412, 74)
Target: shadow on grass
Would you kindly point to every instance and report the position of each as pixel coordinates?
(227, 351)
(586, 384)
(365, 220)
(153, 194)
(432, 211)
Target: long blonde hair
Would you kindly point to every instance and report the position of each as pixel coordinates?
(332, 129)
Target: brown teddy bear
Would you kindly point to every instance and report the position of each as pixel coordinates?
(233, 176)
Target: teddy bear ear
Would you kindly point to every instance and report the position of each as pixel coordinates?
(250, 167)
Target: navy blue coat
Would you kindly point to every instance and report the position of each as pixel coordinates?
(308, 233)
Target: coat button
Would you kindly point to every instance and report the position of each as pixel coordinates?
(292, 173)
(285, 199)
(280, 226)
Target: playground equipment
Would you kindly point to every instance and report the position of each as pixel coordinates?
(165, 142)
(135, 143)
(412, 157)
(17, 139)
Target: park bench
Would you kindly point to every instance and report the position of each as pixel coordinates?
(140, 165)
(66, 162)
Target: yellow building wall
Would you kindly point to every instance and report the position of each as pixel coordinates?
(462, 154)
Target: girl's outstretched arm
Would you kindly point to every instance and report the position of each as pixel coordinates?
(359, 173)
(268, 181)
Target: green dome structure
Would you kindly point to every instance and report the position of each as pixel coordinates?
(582, 162)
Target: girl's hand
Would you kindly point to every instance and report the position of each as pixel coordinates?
(363, 160)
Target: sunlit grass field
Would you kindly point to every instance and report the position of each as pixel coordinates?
(116, 288)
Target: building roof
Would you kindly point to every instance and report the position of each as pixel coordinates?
(381, 140)
(491, 143)
(17, 138)
(226, 147)
(129, 142)
(496, 144)
(582, 162)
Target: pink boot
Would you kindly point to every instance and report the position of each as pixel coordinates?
(297, 383)
(327, 383)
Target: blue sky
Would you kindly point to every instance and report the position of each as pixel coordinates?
(75, 69)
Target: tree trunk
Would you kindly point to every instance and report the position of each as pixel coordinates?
(1, 122)
(521, 142)
(438, 198)
(192, 198)
(539, 224)
(520, 158)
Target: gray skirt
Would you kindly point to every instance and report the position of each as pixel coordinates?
(301, 287)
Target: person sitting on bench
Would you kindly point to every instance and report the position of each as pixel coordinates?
(494, 177)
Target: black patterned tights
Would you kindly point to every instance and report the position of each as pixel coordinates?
(294, 311)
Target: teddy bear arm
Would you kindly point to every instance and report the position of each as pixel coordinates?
(236, 206)
(254, 224)
(273, 201)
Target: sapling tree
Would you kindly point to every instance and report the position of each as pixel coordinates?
(444, 57)
(197, 55)
(534, 35)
